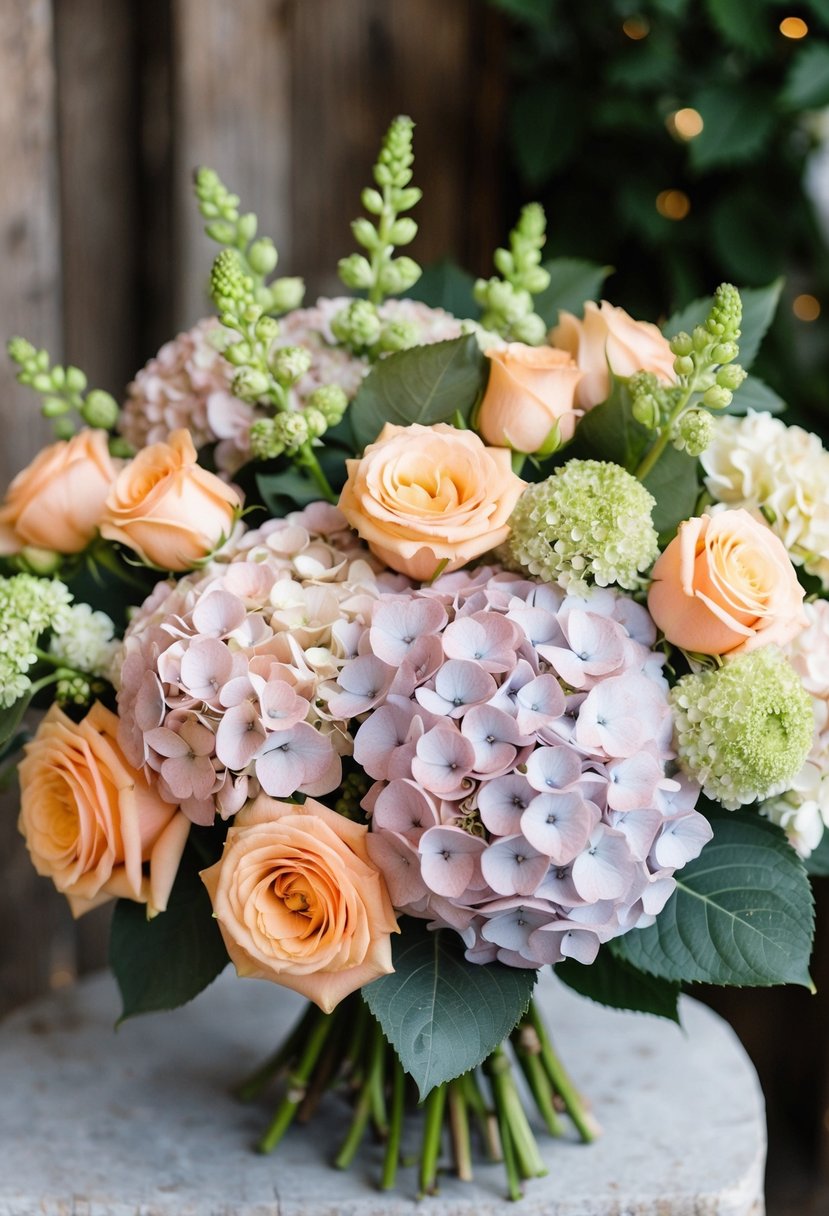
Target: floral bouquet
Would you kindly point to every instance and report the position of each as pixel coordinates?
(471, 640)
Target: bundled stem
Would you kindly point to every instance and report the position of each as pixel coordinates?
(348, 1050)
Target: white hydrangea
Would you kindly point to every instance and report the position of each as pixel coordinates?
(84, 639)
(803, 810)
(759, 463)
(28, 606)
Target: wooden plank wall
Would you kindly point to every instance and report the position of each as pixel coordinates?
(106, 107)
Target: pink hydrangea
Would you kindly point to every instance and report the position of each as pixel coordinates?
(188, 384)
(520, 744)
(219, 682)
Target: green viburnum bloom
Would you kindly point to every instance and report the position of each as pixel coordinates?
(28, 606)
(745, 729)
(588, 523)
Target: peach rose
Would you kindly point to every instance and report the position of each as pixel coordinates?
(531, 390)
(91, 822)
(430, 497)
(724, 585)
(167, 508)
(608, 339)
(300, 902)
(57, 502)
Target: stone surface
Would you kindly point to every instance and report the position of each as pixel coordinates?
(139, 1122)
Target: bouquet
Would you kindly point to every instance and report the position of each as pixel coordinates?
(393, 652)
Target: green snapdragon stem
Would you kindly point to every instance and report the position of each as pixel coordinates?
(297, 1083)
(586, 1125)
(528, 1054)
(252, 1085)
(650, 458)
(432, 1129)
(306, 459)
(398, 1099)
(459, 1125)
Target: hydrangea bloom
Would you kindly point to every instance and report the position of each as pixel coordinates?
(744, 730)
(759, 462)
(28, 607)
(85, 640)
(519, 740)
(218, 695)
(803, 810)
(588, 523)
(188, 383)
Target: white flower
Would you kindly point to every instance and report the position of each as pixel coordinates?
(759, 463)
(83, 639)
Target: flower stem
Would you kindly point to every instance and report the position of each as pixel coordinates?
(514, 1188)
(650, 458)
(586, 1125)
(459, 1126)
(432, 1129)
(297, 1083)
(511, 1112)
(528, 1054)
(366, 1104)
(398, 1095)
(306, 459)
(252, 1085)
(487, 1121)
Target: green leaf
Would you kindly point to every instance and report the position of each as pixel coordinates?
(759, 307)
(164, 962)
(610, 432)
(442, 1014)
(737, 123)
(612, 981)
(532, 12)
(546, 122)
(674, 483)
(739, 23)
(807, 85)
(11, 718)
(742, 912)
(755, 394)
(426, 384)
(572, 282)
(286, 490)
(445, 285)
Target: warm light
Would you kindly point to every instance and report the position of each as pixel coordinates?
(636, 28)
(806, 308)
(685, 124)
(673, 204)
(61, 977)
(793, 27)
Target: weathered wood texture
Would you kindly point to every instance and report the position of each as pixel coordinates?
(106, 107)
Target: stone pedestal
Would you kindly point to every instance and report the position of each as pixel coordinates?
(139, 1122)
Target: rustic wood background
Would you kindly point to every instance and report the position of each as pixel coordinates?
(106, 106)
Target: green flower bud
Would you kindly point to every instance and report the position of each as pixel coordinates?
(44, 562)
(355, 271)
(100, 409)
(684, 365)
(267, 329)
(725, 352)
(227, 278)
(365, 233)
(238, 353)
(716, 398)
(372, 200)
(646, 410)
(262, 256)
(42, 382)
(221, 231)
(403, 231)
(286, 294)
(399, 275)
(264, 442)
(530, 329)
(247, 225)
(331, 401)
(120, 448)
(532, 221)
(291, 430)
(701, 339)
(73, 689)
(58, 377)
(536, 280)
(249, 384)
(504, 262)
(357, 324)
(53, 407)
(315, 421)
(694, 432)
(64, 428)
(731, 377)
(20, 351)
(399, 335)
(681, 344)
(290, 363)
(75, 380)
(407, 198)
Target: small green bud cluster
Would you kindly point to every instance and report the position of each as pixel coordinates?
(377, 271)
(704, 359)
(63, 389)
(73, 688)
(354, 788)
(360, 328)
(507, 302)
(694, 432)
(648, 400)
(258, 255)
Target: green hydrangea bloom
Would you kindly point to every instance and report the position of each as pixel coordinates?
(28, 606)
(588, 523)
(745, 729)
